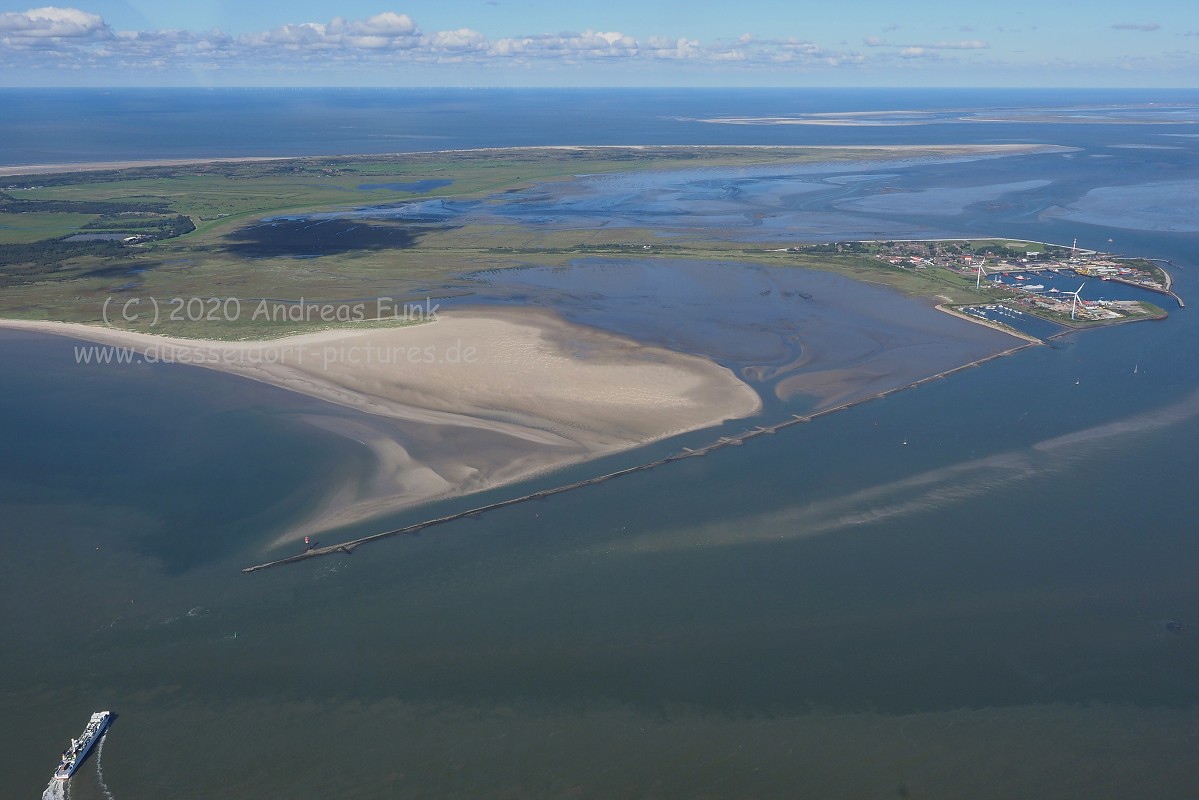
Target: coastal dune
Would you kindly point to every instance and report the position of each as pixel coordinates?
(473, 400)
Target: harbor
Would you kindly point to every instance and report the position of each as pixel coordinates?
(1011, 263)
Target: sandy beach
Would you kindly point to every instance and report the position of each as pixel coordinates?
(99, 166)
(475, 399)
(7, 170)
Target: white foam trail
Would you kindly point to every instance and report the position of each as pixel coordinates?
(55, 791)
(923, 492)
(100, 769)
(1150, 420)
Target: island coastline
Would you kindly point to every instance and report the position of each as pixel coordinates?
(67, 167)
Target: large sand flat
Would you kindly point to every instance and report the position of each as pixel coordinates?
(470, 401)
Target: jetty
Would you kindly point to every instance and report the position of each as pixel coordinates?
(1166, 291)
(722, 442)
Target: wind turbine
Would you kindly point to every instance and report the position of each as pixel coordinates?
(1074, 303)
(979, 282)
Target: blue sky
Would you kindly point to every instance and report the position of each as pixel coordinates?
(609, 43)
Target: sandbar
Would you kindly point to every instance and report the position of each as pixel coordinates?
(9, 170)
(478, 398)
(101, 166)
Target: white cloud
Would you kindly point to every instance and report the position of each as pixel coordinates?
(925, 50)
(51, 33)
(673, 48)
(387, 31)
(308, 34)
(790, 52)
(728, 55)
(52, 39)
(66, 37)
(589, 44)
(388, 25)
(794, 49)
(966, 44)
(463, 40)
(52, 22)
(157, 44)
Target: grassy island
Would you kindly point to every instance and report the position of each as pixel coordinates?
(195, 236)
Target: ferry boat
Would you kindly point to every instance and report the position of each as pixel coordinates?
(73, 756)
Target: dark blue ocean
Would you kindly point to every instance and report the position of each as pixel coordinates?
(75, 125)
(960, 590)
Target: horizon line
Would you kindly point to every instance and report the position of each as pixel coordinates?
(434, 87)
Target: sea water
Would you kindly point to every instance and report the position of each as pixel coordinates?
(959, 590)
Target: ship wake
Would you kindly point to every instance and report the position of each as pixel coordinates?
(60, 790)
(921, 493)
(100, 767)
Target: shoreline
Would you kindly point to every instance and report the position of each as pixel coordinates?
(479, 399)
(998, 326)
(20, 170)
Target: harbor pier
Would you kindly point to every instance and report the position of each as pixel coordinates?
(724, 441)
